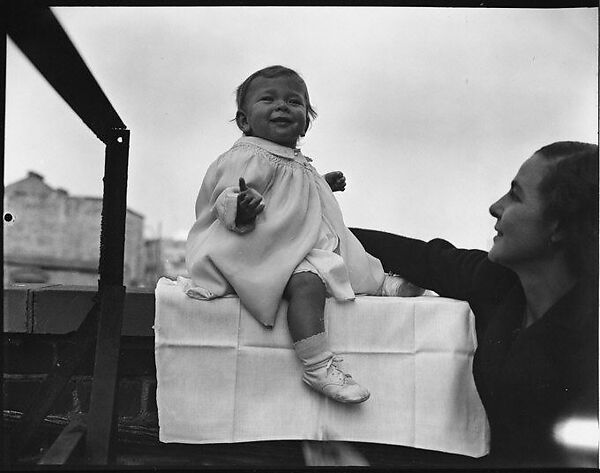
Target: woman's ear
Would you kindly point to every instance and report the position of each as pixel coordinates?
(242, 122)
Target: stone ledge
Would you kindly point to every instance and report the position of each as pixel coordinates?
(60, 309)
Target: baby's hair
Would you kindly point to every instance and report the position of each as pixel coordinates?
(271, 72)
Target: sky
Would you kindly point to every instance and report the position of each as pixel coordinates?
(429, 112)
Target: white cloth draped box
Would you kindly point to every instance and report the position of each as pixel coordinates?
(224, 377)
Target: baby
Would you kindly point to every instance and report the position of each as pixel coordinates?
(268, 227)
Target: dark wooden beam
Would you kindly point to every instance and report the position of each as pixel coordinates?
(102, 418)
(65, 447)
(114, 209)
(6, 441)
(37, 32)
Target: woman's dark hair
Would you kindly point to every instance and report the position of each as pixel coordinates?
(271, 72)
(570, 188)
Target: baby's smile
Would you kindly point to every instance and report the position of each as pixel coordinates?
(281, 120)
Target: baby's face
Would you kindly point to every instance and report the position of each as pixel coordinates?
(274, 109)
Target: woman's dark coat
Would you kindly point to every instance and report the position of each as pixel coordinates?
(528, 378)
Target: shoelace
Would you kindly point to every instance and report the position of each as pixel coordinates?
(334, 363)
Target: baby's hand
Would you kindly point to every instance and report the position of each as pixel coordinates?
(249, 204)
(336, 180)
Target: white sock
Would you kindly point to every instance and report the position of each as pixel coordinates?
(313, 350)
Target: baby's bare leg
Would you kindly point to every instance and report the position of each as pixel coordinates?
(305, 293)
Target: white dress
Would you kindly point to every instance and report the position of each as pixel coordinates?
(300, 229)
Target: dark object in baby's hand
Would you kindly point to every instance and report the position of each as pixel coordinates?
(249, 204)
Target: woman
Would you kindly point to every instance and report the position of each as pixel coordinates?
(534, 296)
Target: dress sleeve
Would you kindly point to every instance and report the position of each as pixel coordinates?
(437, 265)
(220, 188)
(225, 208)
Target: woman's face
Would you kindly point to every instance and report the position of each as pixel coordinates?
(524, 234)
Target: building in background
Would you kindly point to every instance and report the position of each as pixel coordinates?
(52, 237)
(164, 257)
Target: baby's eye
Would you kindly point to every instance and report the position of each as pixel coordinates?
(266, 98)
(296, 101)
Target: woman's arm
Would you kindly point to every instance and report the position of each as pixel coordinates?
(437, 265)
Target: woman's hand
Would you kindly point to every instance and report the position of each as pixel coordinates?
(336, 180)
(249, 204)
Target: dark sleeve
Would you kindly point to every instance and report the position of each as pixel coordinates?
(437, 265)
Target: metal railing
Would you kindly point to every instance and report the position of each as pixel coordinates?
(38, 34)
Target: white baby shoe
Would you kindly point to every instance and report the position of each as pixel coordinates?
(329, 379)
(396, 286)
